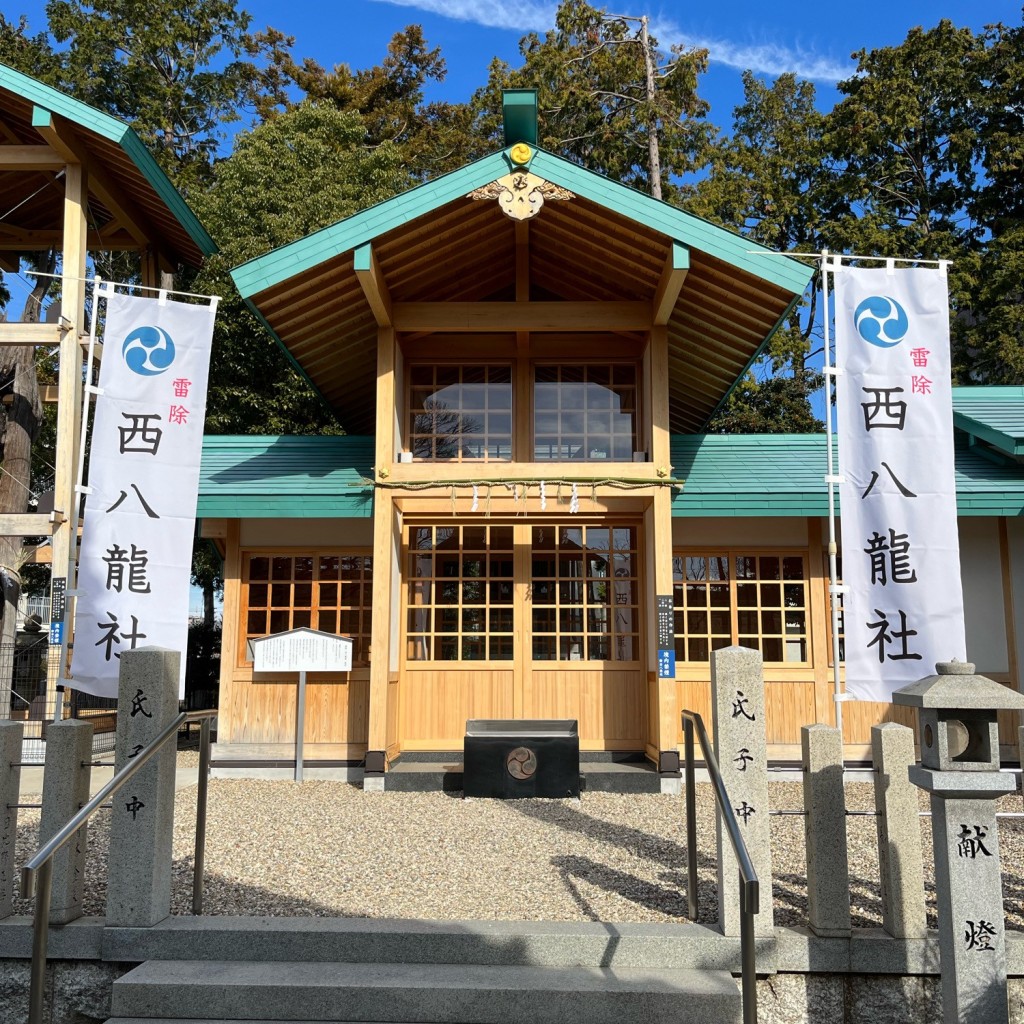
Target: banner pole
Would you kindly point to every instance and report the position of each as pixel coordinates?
(831, 478)
(77, 491)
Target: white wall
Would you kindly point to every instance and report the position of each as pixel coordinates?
(984, 616)
(1015, 532)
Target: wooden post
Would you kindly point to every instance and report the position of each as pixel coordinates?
(664, 734)
(383, 556)
(65, 500)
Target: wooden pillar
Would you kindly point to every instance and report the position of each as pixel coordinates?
(664, 711)
(229, 723)
(72, 305)
(819, 628)
(383, 556)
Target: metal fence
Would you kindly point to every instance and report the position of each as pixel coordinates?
(26, 665)
(24, 668)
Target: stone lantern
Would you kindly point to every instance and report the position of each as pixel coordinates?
(959, 769)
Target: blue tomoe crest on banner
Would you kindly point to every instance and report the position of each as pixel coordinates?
(880, 320)
(148, 351)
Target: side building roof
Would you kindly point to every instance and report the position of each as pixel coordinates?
(725, 476)
(784, 475)
(286, 477)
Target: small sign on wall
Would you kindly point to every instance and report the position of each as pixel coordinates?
(666, 632)
(666, 664)
(302, 650)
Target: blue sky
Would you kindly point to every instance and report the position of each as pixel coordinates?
(814, 40)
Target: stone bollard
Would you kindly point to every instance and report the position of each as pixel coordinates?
(737, 702)
(142, 818)
(10, 788)
(960, 771)
(66, 774)
(828, 866)
(899, 832)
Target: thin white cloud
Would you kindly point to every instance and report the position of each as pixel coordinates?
(525, 15)
(522, 16)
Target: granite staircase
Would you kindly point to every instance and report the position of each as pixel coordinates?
(300, 971)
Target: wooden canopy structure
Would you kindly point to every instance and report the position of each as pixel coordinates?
(129, 203)
(77, 180)
(441, 258)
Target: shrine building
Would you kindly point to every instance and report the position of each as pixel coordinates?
(526, 356)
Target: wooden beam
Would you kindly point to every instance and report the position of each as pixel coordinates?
(459, 317)
(25, 524)
(671, 283)
(371, 280)
(522, 261)
(30, 334)
(10, 264)
(60, 134)
(30, 158)
(13, 240)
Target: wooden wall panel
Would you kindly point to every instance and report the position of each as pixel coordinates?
(609, 704)
(264, 712)
(788, 707)
(435, 704)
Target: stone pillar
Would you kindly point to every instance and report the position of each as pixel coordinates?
(66, 774)
(737, 702)
(828, 867)
(899, 832)
(142, 817)
(972, 942)
(10, 788)
(959, 733)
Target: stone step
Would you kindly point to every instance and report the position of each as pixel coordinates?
(204, 990)
(674, 946)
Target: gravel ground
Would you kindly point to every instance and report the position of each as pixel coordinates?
(323, 849)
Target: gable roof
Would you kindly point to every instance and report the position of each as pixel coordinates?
(115, 154)
(609, 242)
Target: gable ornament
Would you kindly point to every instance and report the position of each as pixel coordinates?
(521, 194)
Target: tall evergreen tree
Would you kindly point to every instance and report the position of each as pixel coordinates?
(591, 75)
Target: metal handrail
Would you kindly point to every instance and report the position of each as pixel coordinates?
(750, 887)
(37, 874)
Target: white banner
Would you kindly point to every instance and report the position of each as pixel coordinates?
(143, 485)
(903, 606)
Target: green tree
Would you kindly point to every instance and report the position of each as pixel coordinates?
(389, 98)
(990, 329)
(287, 178)
(176, 72)
(770, 179)
(590, 73)
(904, 146)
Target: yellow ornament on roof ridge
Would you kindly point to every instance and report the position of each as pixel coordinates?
(520, 153)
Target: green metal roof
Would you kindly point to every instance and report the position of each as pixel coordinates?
(726, 475)
(773, 475)
(300, 256)
(286, 477)
(992, 414)
(140, 175)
